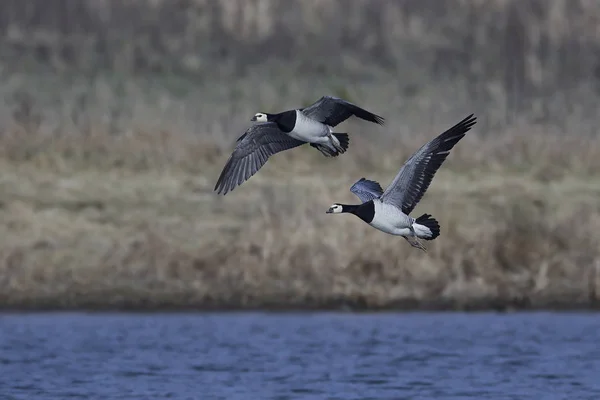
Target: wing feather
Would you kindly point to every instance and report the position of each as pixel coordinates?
(252, 151)
(415, 176)
(333, 111)
(366, 189)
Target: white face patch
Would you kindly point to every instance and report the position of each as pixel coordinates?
(260, 117)
(335, 209)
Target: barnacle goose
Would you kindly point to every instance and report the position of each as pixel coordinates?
(274, 133)
(389, 211)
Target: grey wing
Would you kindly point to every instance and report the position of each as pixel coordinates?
(413, 179)
(252, 150)
(333, 111)
(366, 189)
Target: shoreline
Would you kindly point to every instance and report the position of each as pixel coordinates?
(339, 306)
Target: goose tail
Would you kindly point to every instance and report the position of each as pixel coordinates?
(342, 138)
(426, 227)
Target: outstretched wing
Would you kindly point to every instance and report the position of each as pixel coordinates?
(333, 111)
(413, 179)
(252, 150)
(366, 189)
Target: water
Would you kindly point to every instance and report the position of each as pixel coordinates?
(300, 356)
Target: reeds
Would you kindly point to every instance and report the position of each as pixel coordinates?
(110, 221)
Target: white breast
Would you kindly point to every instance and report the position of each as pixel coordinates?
(390, 219)
(308, 130)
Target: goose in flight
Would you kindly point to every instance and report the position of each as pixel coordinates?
(389, 210)
(273, 133)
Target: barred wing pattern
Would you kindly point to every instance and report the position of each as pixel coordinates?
(366, 189)
(252, 150)
(415, 176)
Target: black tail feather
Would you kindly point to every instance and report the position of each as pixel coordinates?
(431, 223)
(344, 140)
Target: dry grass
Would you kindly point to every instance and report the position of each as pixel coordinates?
(131, 221)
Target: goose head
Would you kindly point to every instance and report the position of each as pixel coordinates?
(260, 117)
(336, 209)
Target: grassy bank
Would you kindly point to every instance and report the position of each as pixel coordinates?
(105, 221)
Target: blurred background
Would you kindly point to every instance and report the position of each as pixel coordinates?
(116, 119)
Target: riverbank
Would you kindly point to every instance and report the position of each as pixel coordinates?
(109, 222)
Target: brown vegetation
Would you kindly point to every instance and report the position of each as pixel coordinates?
(103, 221)
(106, 187)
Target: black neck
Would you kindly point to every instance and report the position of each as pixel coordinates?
(285, 120)
(364, 211)
(350, 208)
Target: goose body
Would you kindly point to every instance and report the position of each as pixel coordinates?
(298, 126)
(389, 210)
(387, 219)
(310, 130)
(273, 133)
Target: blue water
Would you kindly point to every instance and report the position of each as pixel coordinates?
(300, 356)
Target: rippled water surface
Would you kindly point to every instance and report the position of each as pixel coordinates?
(300, 356)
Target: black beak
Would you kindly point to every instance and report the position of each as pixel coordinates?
(253, 118)
(329, 211)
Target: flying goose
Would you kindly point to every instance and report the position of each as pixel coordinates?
(389, 211)
(274, 133)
